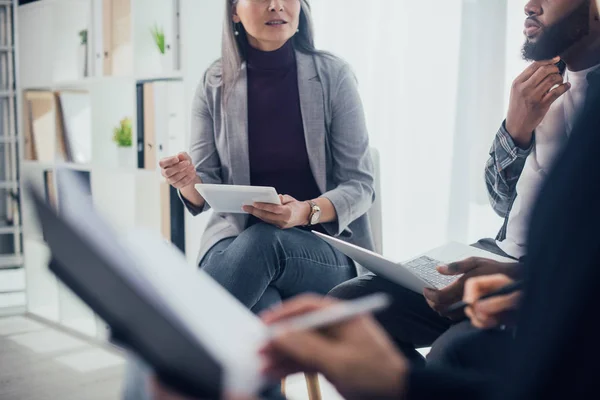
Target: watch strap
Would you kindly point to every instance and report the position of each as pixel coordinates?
(313, 210)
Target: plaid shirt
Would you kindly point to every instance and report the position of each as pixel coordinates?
(506, 163)
(503, 169)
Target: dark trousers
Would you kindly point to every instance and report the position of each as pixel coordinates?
(412, 324)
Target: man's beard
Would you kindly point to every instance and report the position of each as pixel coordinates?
(559, 37)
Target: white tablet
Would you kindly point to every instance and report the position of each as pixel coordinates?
(231, 198)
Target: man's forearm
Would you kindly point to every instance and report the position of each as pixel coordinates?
(503, 170)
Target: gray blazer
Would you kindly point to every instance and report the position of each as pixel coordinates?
(336, 140)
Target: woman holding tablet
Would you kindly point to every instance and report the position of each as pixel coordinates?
(276, 112)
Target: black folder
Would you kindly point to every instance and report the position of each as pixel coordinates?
(135, 322)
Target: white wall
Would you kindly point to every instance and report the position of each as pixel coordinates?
(201, 23)
(428, 75)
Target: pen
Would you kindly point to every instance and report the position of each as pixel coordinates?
(331, 315)
(508, 289)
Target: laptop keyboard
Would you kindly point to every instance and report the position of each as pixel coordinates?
(424, 267)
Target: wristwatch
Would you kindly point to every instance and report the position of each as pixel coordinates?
(315, 213)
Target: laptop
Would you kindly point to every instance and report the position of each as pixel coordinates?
(195, 335)
(415, 274)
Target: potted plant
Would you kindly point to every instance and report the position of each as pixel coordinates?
(158, 36)
(123, 137)
(83, 53)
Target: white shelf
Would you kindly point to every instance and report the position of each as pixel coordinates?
(9, 230)
(12, 280)
(175, 75)
(7, 140)
(126, 196)
(7, 93)
(37, 164)
(6, 48)
(11, 261)
(15, 301)
(88, 83)
(46, 165)
(9, 185)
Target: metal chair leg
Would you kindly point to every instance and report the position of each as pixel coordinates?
(313, 387)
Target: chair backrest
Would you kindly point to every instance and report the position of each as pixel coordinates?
(375, 215)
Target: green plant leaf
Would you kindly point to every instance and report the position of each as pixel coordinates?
(122, 134)
(159, 38)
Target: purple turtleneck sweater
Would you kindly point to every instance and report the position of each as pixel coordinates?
(278, 155)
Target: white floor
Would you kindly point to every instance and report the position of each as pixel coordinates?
(39, 343)
(39, 362)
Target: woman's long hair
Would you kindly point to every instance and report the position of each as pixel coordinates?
(233, 48)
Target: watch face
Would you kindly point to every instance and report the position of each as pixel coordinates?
(315, 218)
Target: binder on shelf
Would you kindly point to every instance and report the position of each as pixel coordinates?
(159, 132)
(74, 107)
(140, 126)
(113, 37)
(50, 189)
(176, 48)
(149, 132)
(160, 129)
(40, 125)
(54, 193)
(177, 220)
(121, 40)
(172, 216)
(83, 177)
(165, 210)
(107, 15)
(64, 149)
(50, 192)
(99, 15)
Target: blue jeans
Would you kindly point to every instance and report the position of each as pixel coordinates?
(261, 267)
(265, 265)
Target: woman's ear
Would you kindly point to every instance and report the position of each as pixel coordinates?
(235, 17)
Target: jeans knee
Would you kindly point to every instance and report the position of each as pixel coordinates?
(259, 237)
(252, 255)
(262, 230)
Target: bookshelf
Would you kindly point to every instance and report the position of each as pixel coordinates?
(71, 97)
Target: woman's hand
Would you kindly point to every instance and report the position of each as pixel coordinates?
(179, 171)
(492, 312)
(289, 214)
(356, 356)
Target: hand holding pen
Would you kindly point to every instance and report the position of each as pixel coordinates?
(491, 300)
